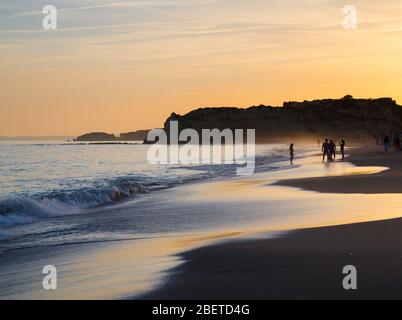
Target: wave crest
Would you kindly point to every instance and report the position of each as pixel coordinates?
(20, 210)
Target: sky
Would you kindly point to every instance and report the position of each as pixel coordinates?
(122, 65)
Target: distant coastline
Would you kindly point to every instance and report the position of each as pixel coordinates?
(346, 118)
(139, 135)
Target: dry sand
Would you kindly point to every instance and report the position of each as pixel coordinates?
(306, 263)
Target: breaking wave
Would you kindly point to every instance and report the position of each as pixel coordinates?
(23, 209)
(18, 210)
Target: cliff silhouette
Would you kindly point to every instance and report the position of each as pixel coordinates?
(139, 135)
(348, 118)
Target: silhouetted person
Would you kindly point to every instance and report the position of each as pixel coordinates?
(386, 143)
(332, 150)
(342, 144)
(325, 150)
(291, 153)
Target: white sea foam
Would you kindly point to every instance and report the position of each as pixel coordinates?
(42, 185)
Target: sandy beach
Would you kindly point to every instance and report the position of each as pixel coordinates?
(307, 263)
(388, 181)
(172, 149)
(280, 233)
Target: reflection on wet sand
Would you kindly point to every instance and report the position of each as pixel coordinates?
(242, 206)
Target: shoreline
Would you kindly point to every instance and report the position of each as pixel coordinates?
(377, 183)
(228, 212)
(304, 263)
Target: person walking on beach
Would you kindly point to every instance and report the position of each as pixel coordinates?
(291, 153)
(325, 150)
(332, 147)
(342, 144)
(386, 143)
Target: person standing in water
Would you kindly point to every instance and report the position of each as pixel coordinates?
(332, 148)
(291, 153)
(386, 143)
(325, 150)
(342, 144)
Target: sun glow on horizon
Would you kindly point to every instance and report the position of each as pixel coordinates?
(121, 66)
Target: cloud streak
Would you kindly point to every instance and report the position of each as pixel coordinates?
(133, 4)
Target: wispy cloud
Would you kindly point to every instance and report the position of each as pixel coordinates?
(131, 4)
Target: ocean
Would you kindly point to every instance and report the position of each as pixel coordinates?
(115, 226)
(47, 189)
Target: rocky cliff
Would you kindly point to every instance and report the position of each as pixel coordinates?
(96, 136)
(347, 118)
(139, 135)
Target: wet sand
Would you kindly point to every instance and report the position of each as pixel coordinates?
(306, 263)
(216, 224)
(389, 181)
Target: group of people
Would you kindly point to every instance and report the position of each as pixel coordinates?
(396, 143)
(328, 150)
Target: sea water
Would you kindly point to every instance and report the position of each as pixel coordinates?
(42, 180)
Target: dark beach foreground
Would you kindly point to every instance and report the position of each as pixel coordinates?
(306, 263)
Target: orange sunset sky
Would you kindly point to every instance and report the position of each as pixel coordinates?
(118, 66)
